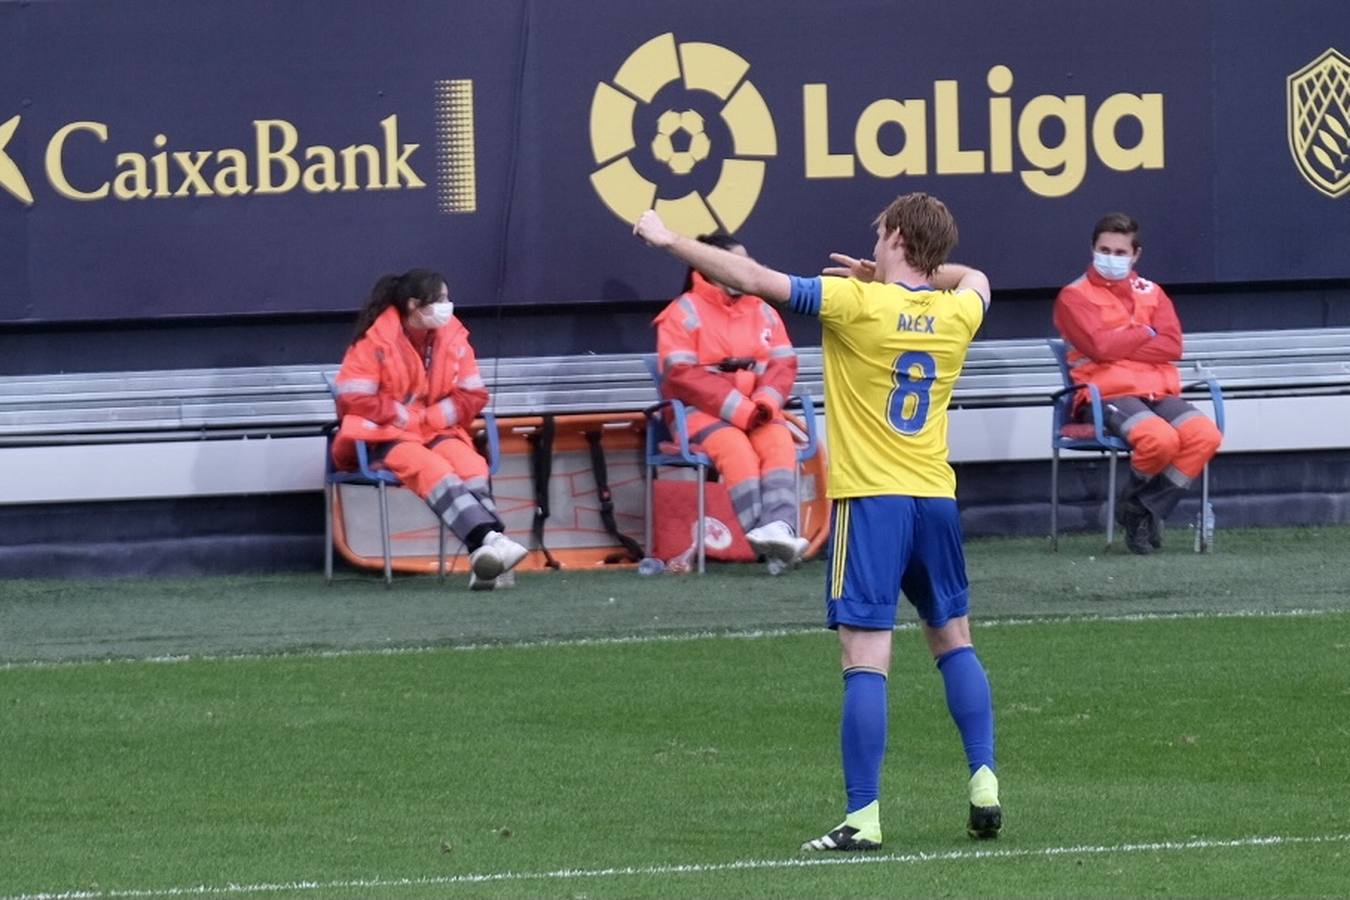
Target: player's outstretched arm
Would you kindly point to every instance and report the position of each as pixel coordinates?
(729, 268)
(956, 277)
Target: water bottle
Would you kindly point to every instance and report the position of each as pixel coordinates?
(1204, 528)
(650, 565)
(682, 564)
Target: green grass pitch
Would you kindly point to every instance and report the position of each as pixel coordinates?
(1173, 725)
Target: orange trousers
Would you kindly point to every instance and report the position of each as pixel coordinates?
(451, 476)
(756, 466)
(1167, 437)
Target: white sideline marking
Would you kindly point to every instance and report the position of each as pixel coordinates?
(754, 634)
(741, 865)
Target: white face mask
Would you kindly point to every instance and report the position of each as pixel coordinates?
(1111, 267)
(434, 315)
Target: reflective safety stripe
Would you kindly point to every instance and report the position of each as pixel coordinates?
(784, 352)
(1128, 425)
(357, 386)
(472, 383)
(401, 415)
(691, 319)
(444, 488)
(680, 358)
(1188, 414)
(1176, 476)
(772, 392)
(730, 405)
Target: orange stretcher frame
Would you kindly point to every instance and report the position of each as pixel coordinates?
(622, 431)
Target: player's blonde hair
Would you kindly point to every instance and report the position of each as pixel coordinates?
(926, 225)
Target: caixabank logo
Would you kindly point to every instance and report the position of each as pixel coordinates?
(88, 160)
(1319, 122)
(684, 131)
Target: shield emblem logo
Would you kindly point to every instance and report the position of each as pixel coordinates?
(1319, 122)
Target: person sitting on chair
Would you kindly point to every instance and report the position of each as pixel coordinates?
(409, 386)
(727, 356)
(1123, 335)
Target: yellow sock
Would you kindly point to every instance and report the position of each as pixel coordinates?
(867, 820)
(984, 787)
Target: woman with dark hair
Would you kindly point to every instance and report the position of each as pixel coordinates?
(409, 386)
(727, 356)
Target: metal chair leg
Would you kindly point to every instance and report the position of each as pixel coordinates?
(328, 490)
(1111, 502)
(384, 537)
(440, 561)
(1204, 505)
(1054, 498)
(702, 489)
(647, 511)
(797, 494)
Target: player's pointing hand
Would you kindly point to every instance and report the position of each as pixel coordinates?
(651, 229)
(848, 267)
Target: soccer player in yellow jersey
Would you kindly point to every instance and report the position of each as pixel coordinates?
(896, 330)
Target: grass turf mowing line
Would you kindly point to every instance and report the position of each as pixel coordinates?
(674, 637)
(701, 752)
(800, 862)
(1266, 569)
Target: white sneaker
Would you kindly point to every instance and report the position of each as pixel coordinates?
(486, 563)
(777, 540)
(501, 582)
(510, 552)
(498, 554)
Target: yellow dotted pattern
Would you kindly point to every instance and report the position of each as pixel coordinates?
(456, 177)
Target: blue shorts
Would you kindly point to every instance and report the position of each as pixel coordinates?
(881, 546)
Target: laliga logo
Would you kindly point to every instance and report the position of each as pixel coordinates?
(1319, 122)
(646, 164)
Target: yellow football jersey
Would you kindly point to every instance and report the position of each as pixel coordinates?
(891, 356)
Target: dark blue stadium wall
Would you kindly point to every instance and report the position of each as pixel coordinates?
(218, 183)
(245, 157)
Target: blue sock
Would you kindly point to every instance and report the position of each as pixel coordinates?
(862, 735)
(969, 702)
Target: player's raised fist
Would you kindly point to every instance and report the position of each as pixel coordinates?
(651, 229)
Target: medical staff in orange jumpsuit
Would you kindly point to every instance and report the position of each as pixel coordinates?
(409, 386)
(1124, 337)
(727, 356)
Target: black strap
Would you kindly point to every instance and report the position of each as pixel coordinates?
(633, 550)
(541, 470)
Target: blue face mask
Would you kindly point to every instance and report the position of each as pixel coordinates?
(1111, 267)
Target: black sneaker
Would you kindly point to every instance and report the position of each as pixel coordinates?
(844, 839)
(1155, 531)
(1135, 522)
(985, 822)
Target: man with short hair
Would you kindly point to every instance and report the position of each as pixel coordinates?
(1124, 337)
(896, 331)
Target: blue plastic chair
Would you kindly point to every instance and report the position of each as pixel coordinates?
(1066, 434)
(665, 447)
(382, 480)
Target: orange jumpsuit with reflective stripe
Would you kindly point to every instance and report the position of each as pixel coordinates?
(1124, 337)
(412, 402)
(730, 360)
